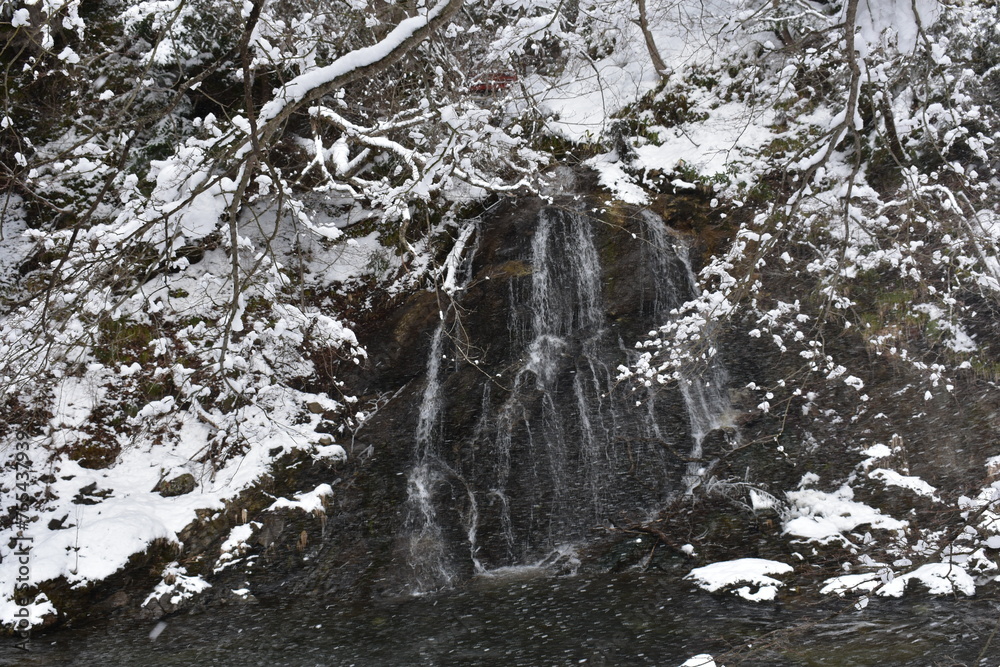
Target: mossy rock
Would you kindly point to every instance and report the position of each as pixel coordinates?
(94, 454)
(513, 269)
(123, 342)
(178, 486)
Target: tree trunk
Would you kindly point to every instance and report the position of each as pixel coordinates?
(654, 53)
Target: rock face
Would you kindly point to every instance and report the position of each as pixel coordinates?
(506, 437)
(502, 435)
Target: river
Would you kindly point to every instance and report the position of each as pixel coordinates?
(531, 618)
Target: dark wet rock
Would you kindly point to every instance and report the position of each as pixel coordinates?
(117, 600)
(119, 594)
(90, 495)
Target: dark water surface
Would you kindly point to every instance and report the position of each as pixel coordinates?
(532, 619)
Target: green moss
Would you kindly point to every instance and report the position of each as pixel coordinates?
(121, 342)
(884, 173)
(760, 193)
(565, 150)
(154, 391)
(986, 369)
(894, 300)
(785, 145)
(513, 269)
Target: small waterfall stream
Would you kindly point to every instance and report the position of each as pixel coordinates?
(428, 551)
(557, 449)
(703, 388)
(567, 322)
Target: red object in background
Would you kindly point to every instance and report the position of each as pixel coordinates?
(495, 82)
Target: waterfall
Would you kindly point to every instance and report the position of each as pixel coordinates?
(550, 448)
(703, 388)
(428, 551)
(566, 307)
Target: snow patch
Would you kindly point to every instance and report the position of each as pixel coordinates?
(307, 502)
(752, 571)
(817, 516)
(938, 578)
(913, 483)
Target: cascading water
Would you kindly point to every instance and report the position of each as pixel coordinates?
(554, 448)
(428, 553)
(567, 319)
(703, 388)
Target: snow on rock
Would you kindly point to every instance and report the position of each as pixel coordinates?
(913, 483)
(875, 452)
(330, 453)
(752, 571)
(101, 542)
(865, 582)
(97, 519)
(235, 545)
(824, 517)
(613, 177)
(176, 586)
(102, 522)
(700, 660)
(37, 610)
(307, 502)
(938, 578)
